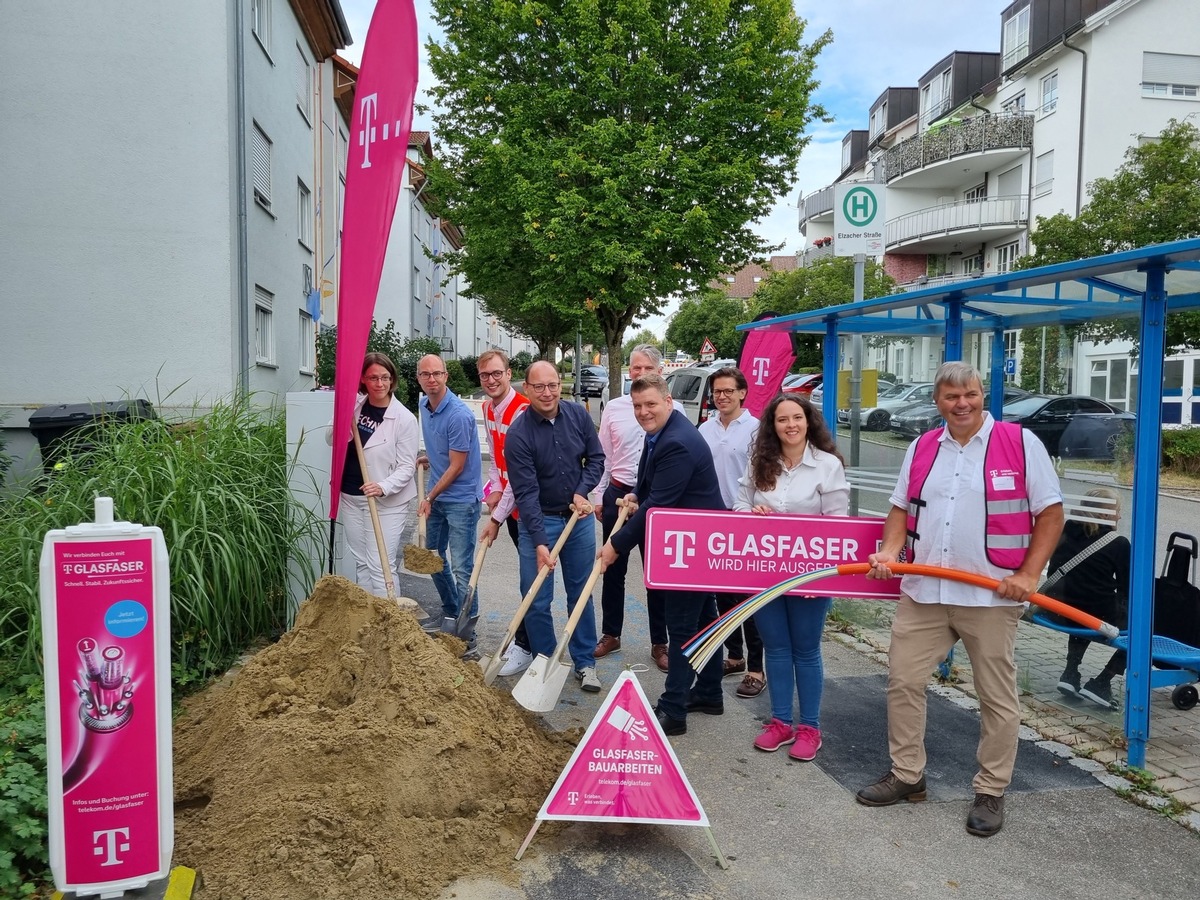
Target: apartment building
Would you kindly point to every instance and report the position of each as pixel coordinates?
(165, 168)
(987, 141)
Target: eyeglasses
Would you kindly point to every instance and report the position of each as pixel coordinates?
(491, 376)
(378, 379)
(428, 375)
(548, 388)
(725, 392)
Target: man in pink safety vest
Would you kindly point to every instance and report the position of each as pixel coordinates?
(980, 496)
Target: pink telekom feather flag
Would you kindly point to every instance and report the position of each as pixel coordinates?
(765, 360)
(379, 128)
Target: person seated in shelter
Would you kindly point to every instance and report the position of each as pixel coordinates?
(1098, 583)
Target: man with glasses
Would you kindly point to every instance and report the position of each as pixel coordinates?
(728, 435)
(503, 406)
(554, 461)
(621, 438)
(452, 504)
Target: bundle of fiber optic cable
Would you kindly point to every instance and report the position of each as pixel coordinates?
(700, 647)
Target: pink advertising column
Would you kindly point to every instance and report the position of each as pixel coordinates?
(105, 604)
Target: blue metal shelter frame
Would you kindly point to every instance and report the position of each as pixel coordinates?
(1145, 283)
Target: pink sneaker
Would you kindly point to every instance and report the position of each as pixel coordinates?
(807, 743)
(775, 734)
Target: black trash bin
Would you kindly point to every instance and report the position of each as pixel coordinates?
(51, 424)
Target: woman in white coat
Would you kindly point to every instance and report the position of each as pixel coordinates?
(389, 435)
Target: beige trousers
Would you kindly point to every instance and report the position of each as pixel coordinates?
(922, 635)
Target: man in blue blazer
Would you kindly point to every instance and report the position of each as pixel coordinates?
(676, 471)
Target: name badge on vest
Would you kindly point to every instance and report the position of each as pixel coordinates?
(1003, 482)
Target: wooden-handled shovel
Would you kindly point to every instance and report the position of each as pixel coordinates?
(386, 563)
(540, 686)
(491, 666)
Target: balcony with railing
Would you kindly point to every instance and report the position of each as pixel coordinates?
(934, 281)
(816, 205)
(938, 229)
(975, 146)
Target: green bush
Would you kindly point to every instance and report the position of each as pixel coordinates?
(24, 860)
(456, 379)
(470, 367)
(521, 362)
(217, 487)
(404, 352)
(1180, 450)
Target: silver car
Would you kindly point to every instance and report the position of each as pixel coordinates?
(889, 399)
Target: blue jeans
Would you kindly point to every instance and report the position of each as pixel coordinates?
(791, 629)
(452, 526)
(575, 561)
(687, 612)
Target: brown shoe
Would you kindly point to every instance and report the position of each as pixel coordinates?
(751, 686)
(734, 667)
(658, 653)
(986, 816)
(608, 644)
(889, 789)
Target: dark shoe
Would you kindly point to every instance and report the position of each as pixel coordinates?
(708, 707)
(986, 816)
(658, 653)
(734, 667)
(1068, 683)
(751, 686)
(671, 727)
(1099, 692)
(608, 644)
(889, 789)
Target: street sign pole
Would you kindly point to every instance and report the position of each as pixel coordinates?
(856, 350)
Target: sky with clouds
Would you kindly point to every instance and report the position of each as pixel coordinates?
(876, 44)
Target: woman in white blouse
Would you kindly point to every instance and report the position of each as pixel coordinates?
(794, 468)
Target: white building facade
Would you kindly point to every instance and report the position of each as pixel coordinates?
(987, 141)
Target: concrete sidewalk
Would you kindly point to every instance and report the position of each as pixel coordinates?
(793, 829)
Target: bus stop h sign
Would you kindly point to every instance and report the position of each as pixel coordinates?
(858, 219)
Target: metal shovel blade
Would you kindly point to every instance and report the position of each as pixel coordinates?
(541, 685)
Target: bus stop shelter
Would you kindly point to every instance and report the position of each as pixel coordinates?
(1143, 284)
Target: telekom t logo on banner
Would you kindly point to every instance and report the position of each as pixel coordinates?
(368, 132)
(680, 546)
(107, 845)
(760, 369)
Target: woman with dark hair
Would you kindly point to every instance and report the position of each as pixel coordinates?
(794, 469)
(1097, 583)
(389, 435)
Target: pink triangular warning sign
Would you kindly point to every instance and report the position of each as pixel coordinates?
(624, 769)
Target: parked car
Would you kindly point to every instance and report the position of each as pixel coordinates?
(593, 381)
(889, 399)
(917, 418)
(692, 387)
(801, 384)
(1074, 426)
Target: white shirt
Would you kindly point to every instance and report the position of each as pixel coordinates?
(817, 486)
(952, 522)
(730, 446)
(621, 440)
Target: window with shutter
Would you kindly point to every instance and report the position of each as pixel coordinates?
(264, 329)
(304, 209)
(260, 166)
(1044, 174)
(303, 85)
(1175, 75)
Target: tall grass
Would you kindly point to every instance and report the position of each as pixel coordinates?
(217, 487)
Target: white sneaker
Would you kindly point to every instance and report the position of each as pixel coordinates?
(516, 660)
(588, 680)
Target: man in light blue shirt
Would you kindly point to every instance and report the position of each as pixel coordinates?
(452, 504)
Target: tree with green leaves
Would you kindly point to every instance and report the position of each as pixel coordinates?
(713, 315)
(645, 336)
(825, 282)
(1153, 197)
(603, 157)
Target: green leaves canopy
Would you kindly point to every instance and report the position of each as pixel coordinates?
(603, 155)
(1153, 197)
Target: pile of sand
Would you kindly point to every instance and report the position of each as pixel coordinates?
(356, 757)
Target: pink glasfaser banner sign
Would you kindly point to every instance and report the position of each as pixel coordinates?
(107, 709)
(744, 553)
(379, 129)
(624, 769)
(765, 360)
